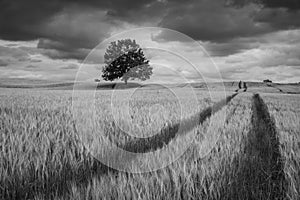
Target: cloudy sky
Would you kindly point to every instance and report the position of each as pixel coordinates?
(246, 39)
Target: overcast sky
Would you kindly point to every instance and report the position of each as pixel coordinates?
(247, 39)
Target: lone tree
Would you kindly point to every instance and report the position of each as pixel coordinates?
(124, 59)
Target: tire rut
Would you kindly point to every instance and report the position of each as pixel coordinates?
(268, 147)
(144, 145)
(260, 172)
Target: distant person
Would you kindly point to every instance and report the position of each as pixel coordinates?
(245, 87)
(240, 85)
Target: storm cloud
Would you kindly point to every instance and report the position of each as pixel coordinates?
(71, 28)
(266, 31)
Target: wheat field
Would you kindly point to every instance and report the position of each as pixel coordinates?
(245, 147)
(286, 112)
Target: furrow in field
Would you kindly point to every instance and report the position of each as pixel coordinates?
(267, 142)
(261, 173)
(143, 145)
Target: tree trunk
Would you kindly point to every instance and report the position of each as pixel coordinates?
(125, 81)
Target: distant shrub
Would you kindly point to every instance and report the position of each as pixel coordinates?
(267, 81)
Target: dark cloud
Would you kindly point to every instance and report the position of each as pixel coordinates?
(71, 28)
(229, 48)
(26, 20)
(289, 4)
(23, 20)
(65, 25)
(54, 20)
(211, 20)
(60, 50)
(4, 63)
(279, 18)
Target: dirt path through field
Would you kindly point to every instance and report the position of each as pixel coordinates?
(267, 146)
(143, 145)
(98, 169)
(261, 173)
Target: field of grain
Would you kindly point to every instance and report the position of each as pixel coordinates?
(285, 110)
(241, 146)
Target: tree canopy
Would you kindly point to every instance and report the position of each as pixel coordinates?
(124, 59)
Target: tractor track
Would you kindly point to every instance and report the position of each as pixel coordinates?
(268, 146)
(260, 173)
(144, 145)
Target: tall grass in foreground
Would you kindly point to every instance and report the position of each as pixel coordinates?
(41, 155)
(38, 147)
(195, 175)
(286, 111)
